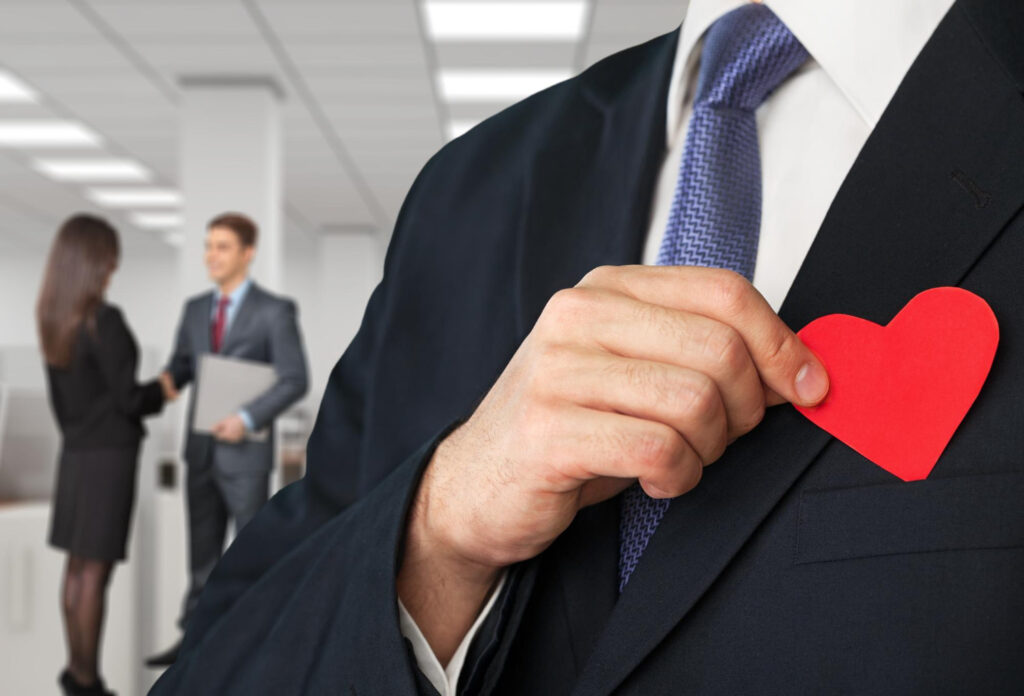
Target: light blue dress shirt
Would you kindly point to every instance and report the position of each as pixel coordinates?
(235, 301)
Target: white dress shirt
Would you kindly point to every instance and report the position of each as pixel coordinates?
(810, 130)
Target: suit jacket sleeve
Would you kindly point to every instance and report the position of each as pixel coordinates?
(323, 621)
(182, 364)
(334, 480)
(289, 361)
(117, 355)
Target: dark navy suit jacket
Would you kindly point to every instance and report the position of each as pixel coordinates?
(796, 566)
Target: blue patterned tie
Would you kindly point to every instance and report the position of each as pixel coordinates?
(715, 218)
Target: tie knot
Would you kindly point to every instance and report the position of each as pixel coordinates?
(746, 54)
(223, 302)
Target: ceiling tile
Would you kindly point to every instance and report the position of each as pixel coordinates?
(184, 20)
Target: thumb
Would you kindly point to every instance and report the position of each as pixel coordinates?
(791, 372)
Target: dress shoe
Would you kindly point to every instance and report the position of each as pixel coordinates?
(166, 658)
(72, 687)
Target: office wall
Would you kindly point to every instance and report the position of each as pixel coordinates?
(348, 267)
(20, 275)
(144, 286)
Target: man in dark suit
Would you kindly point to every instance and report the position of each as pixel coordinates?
(229, 470)
(794, 565)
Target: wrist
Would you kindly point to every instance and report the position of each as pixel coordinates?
(441, 587)
(437, 532)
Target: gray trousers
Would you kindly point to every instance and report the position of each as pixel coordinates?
(212, 498)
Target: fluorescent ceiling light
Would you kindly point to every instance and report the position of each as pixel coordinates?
(13, 90)
(157, 221)
(92, 169)
(130, 197)
(507, 21)
(459, 126)
(46, 134)
(496, 85)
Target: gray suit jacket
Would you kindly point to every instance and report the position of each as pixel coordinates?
(264, 329)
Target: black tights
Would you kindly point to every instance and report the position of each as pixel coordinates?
(84, 603)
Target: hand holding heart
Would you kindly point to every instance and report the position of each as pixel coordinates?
(647, 373)
(637, 373)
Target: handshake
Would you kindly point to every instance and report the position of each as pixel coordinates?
(167, 384)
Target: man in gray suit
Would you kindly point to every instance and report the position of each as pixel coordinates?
(228, 471)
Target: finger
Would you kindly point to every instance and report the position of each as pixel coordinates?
(591, 445)
(785, 364)
(771, 398)
(684, 399)
(595, 491)
(623, 325)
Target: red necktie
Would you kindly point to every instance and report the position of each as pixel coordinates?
(218, 324)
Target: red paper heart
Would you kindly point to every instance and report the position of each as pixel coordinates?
(897, 392)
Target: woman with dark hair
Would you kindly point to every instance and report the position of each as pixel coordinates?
(91, 358)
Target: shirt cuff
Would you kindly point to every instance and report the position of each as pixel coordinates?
(444, 679)
(247, 419)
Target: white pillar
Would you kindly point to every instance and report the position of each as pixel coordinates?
(231, 161)
(349, 268)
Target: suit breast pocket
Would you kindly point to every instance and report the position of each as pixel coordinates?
(942, 514)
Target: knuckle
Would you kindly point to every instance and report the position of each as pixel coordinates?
(565, 304)
(725, 347)
(701, 396)
(657, 447)
(687, 474)
(779, 350)
(718, 446)
(732, 291)
(755, 416)
(566, 307)
(602, 275)
(697, 473)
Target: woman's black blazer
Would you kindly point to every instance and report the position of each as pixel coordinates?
(96, 398)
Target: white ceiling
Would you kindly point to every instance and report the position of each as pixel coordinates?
(360, 116)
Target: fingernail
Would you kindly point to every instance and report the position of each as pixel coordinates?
(811, 383)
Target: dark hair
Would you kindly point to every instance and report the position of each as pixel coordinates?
(242, 226)
(83, 255)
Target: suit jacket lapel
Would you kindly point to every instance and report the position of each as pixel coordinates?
(204, 325)
(609, 150)
(936, 182)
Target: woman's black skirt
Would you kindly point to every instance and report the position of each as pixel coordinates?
(92, 508)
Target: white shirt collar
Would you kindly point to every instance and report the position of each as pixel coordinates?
(864, 46)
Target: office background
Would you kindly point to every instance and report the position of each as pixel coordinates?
(313, 116)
